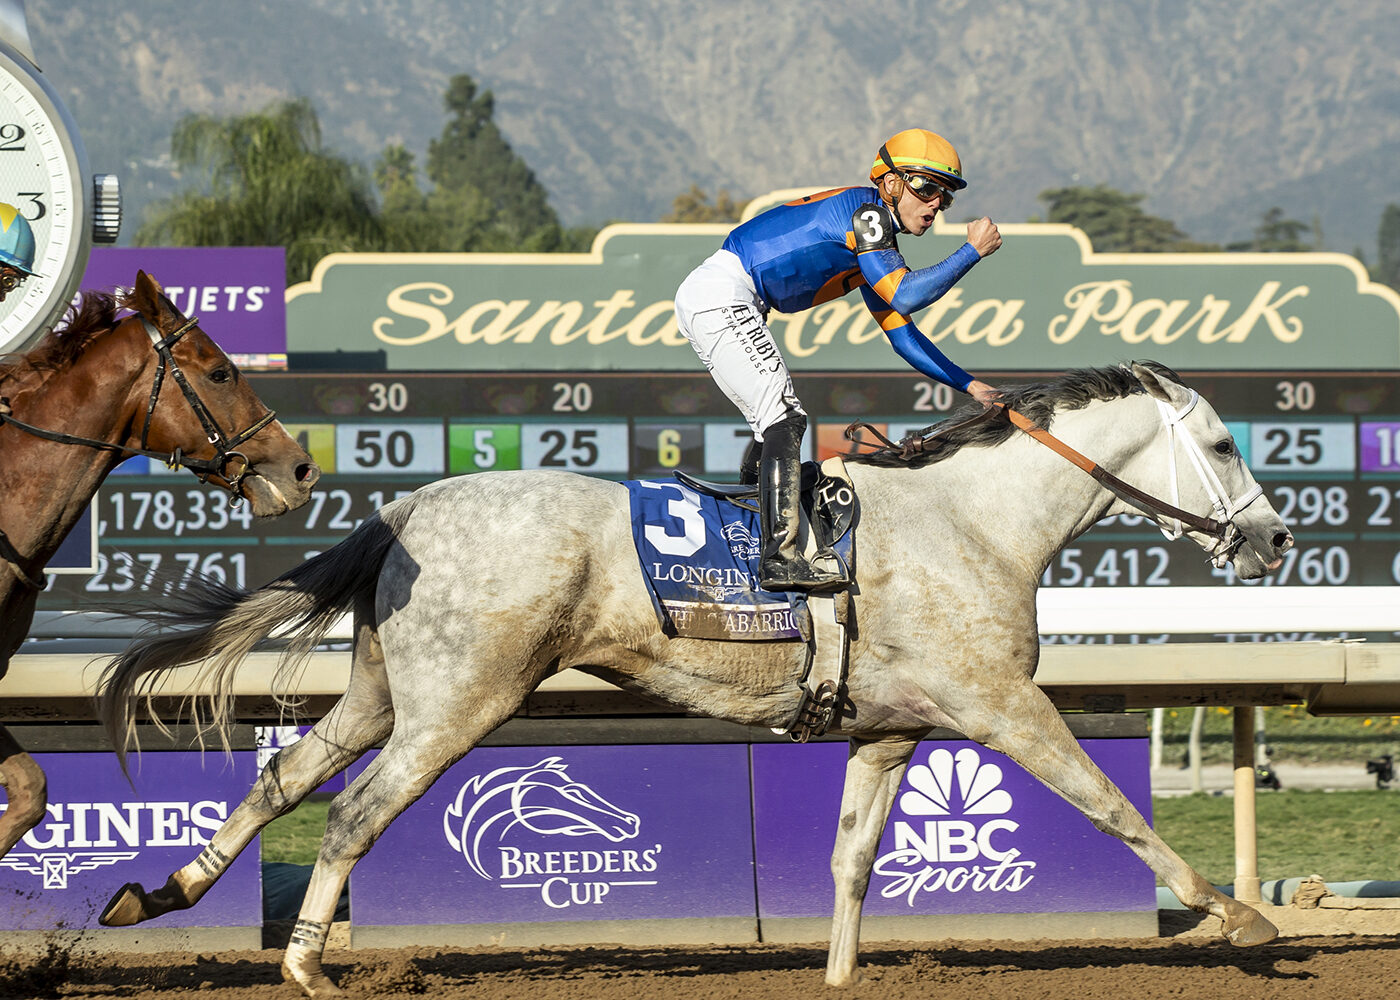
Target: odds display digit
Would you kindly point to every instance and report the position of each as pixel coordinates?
(659, 449)
(390, 448)
(596, 448)
(482, 447)
(1380, 446)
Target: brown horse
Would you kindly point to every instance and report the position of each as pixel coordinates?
(88, 396)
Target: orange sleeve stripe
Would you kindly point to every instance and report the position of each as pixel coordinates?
(889, 284)
(891, 320)
(838, 285)
(819, 196)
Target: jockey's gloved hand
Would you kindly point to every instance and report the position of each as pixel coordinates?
(983, 393)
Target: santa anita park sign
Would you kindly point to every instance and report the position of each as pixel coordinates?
(1045, 301)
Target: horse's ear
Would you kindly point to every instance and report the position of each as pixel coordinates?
(1160, 387)
(149, 300)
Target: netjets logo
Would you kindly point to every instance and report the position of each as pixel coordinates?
(741, 541)
(544, 801)
(953, 813)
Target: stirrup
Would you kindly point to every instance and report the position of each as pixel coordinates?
(815, 712)
(802, 576)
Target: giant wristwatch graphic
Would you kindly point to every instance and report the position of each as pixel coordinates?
(51, 207)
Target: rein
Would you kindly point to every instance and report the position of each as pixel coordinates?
(1140, 499)
(1220, 527)
(225, 447)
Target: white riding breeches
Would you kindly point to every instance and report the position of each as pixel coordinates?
(722, 316)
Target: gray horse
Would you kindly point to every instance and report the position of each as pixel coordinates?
(470, 592)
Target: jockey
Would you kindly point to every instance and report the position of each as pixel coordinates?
(797, 256)
(16, 249)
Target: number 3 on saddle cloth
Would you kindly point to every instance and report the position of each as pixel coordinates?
(699, 546)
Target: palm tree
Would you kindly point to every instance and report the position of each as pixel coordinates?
(265, 180)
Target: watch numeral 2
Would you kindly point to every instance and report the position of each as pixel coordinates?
(11, 138)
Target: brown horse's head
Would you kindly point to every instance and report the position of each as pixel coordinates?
(203, 408)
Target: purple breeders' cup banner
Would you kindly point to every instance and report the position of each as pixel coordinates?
(970, 832)
(238, 293)
(533, 834)
(99, 834)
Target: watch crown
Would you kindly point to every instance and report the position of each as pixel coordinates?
(106, 208)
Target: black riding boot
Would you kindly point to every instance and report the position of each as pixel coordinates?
(779, 513)
(748, 465)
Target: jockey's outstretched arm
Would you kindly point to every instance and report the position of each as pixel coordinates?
(905, 291)
(911, 345)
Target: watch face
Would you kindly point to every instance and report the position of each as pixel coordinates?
(43, 238)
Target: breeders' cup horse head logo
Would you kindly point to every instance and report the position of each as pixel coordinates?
(741, 541)
(541, 798)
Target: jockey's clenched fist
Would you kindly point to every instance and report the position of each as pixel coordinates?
(982, 234)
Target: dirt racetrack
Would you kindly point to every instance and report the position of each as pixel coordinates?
(1187, 961)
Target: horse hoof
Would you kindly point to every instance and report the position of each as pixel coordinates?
(1246, 927)
(844, 981)
(125, 908)
(315, 984)
(133, 904)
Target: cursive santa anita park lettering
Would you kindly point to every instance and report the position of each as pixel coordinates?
(1044, 301)
(420, 312)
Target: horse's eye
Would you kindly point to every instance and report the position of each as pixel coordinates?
(1224, 447)
(220, 375)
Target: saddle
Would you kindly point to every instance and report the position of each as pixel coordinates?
(828, 506)
(829, 512)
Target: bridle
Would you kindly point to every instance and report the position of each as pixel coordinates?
(228, 463)
(225, 447)
(1222, 528)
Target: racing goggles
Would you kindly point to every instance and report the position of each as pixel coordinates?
(925, 186)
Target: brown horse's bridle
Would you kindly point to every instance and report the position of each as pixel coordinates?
(225, 457)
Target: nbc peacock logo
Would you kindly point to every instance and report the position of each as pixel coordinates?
(952, 832)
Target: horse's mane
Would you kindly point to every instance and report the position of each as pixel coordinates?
(92, 315)
(1037, 400)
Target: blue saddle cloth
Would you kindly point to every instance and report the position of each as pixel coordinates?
(700, 557)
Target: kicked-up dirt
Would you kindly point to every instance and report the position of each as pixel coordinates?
(1318, 955)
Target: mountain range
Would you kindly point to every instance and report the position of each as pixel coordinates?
(1215, 110)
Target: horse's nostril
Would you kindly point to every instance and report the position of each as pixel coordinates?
(1281, 540)
(308, 473)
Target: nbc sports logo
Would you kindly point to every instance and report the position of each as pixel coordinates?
(952, 832)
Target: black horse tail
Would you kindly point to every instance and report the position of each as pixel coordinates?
(215, 626)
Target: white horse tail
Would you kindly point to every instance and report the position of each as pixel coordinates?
(209, 623)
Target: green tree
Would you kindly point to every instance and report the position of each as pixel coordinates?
(694, 206)
(263, 179)
(1276, 234)
(408, 221)
(488, 197)
(1115, 222)
(1388, 261)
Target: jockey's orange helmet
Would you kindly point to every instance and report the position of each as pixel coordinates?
(915, 151)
